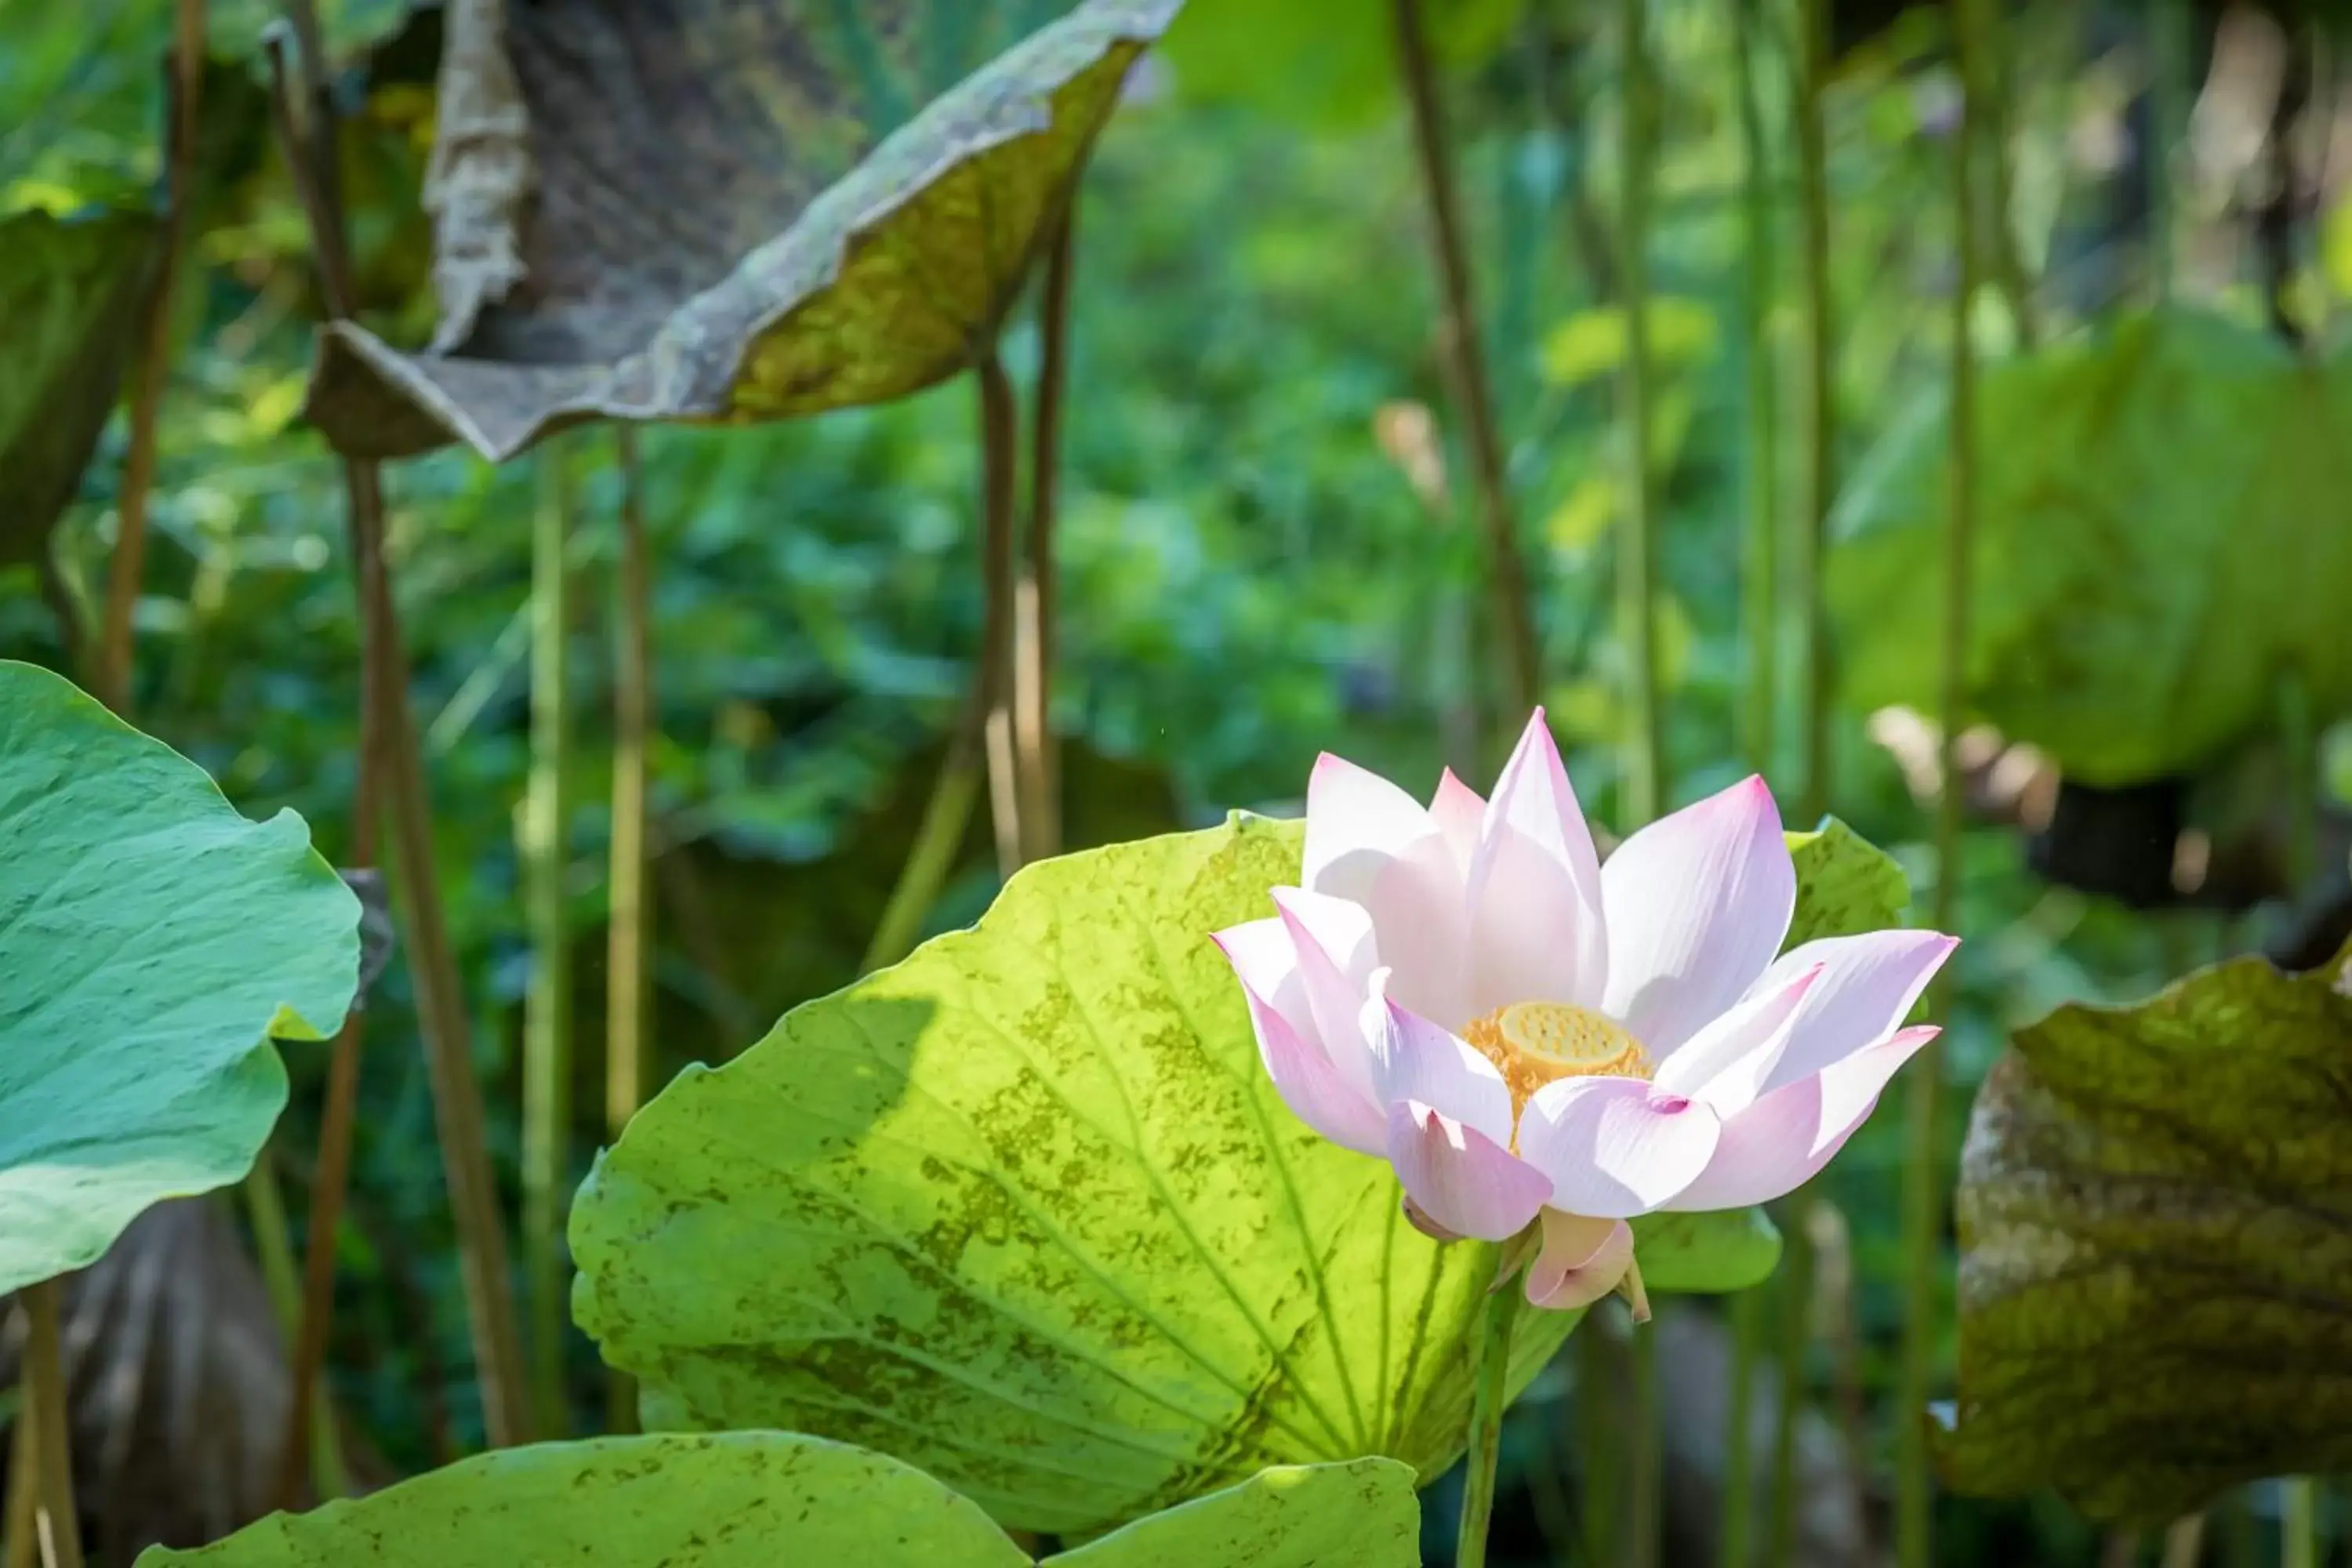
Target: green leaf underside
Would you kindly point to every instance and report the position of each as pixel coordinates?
(2162, 527)
(1026, 1211)
(811, 263)
(733, 1500)
(69, 292)
(754, 1500)
(149, 937)
(2156, 1229)
(1360, 1514)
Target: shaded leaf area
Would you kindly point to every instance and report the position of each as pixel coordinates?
(1363, 1514)
(735, 1499)
(2162, 531)
(1026, 1210)
(69, 290)
(1327, 65)
(751, 1499)
(150, 938)
(2156, 1230)
(738, 212)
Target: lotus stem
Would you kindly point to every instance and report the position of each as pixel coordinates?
(1796, 1339)
(1821, 398)
(547, 1006)
(441, 1012)
(111, 665)
(1465, 365)
(2299, 1544)
(1923, 1232)
(1738, 1545)
(1491, 1396)
(999, 437)
(2298, 1521)
(628, 968)
(1990, 63)
(58, 1522)
(2184, 1543)
(1760, 586)
(2168, 24)
(937, 841)
(1036, 594)
(1642, 793)
(1599, 1410)
(22, 1527)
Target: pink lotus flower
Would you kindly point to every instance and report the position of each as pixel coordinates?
(1533, 1038)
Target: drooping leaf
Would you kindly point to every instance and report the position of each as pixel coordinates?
(2156, 1231)
(737, 213)
(1026, 1210)
(2163, 530)
(69, 292)
(151, 939)
(1363, 1514)
(732, 1500)
(1325, 64)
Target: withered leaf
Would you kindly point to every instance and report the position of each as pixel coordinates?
(2156, 1229)
(722, 223)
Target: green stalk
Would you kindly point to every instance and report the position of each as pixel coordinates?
(629, 954)
(1739, 1539)
(1993, 79)
(1600, 1415)
(1486, 1422)
(1760, 586)
(1645, 788)
(1465, 366)
(547, 1007)
(1821, 398)
(2184, 1543)
(1922, 1187)
(2299, 1544)
(2168, 22)
(999, 435)
(1037, 594)
(23, 1544)
(441, 1014)
(1796, 1296)
(57, 1519)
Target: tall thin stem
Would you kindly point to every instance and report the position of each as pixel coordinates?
(547, 1006)
(1486, 1422)
(1737, 1544)
(23, 1523)
(2168, 95)
(1923, 1231)
(441, 1012)
(1465, 365)
(1037, 594)
(1760, 563)
(1820, 396)
(1796, 1298)
(57, 1521)
(629, 953)
(2299, 1522)
(2299, 1539)
(1644, 791)
(125, 571)
(1000, 460)
(937, 839)
(1991, 63)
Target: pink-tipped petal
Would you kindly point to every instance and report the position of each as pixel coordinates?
(1462, 1180)
(1425, 1063)
(1615, 1147)
(1726, 1062)
(1534, 888)
(1311, 1085)
(1460, 813)
(1869, 984)
(1697, 903)
(1337, 956)
(1781, 1142)
(1582, 1260)
(1266, 961)
(1356, 822)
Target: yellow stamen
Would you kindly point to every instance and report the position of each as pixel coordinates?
(1536, 1043)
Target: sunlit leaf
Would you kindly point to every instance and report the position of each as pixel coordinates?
(2155, 1273)
(732, 1500)
(1026, 1211)
(1591, 343)
(1363, 1514)
(1845, 884)
(2163, 530)
(69, 290)
(738, 212)
(150, 938)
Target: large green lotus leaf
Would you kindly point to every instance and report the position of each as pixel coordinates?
(738, 211)
(151, 939)
(1326, 64)
(2163, 529)
(733, 1500)
(2155, 1232)
(1025, 1210)
(1363, 1514)
(69, 292)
